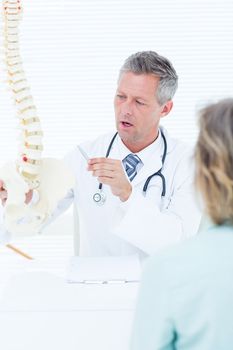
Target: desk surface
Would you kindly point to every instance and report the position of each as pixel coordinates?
(40, 310)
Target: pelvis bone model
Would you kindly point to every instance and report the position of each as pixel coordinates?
(49, 177)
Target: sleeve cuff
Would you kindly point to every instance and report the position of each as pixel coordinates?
(125, 205)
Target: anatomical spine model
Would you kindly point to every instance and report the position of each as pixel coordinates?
(49, 177)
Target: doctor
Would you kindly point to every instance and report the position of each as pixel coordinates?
(135, 193)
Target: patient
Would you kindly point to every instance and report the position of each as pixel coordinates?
(186, 297)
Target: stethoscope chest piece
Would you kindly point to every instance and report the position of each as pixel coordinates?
(99, 197)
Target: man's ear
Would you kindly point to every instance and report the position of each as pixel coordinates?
(166, 108)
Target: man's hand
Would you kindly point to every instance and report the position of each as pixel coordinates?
(3, 194)
(110, 172)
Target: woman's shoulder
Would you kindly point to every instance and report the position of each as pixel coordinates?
(196, 253)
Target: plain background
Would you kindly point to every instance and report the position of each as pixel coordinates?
(72, 51)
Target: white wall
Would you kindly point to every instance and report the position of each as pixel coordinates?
(72, 51)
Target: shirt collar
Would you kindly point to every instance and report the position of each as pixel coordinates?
(145, 154)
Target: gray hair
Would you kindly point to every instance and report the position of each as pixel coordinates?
(149, 62)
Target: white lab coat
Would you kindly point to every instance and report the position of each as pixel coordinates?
(143, 224)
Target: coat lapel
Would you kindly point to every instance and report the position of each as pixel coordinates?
(155, 162)
(148, 169)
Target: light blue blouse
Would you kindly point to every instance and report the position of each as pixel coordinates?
(186, 296)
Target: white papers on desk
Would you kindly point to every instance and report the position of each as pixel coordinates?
(100, 270)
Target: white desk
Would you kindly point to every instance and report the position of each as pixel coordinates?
(39, 310)
(84, 330)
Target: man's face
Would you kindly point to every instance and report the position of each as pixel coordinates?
(137, 111)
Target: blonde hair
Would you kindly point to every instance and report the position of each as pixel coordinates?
(214, 161)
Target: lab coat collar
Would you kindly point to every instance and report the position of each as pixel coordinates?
(152, 159)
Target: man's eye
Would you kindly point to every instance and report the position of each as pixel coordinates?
(140, 103)
(121, 97)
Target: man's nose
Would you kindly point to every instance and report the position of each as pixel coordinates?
(127, 108)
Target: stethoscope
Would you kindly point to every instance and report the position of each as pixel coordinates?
(100, 197)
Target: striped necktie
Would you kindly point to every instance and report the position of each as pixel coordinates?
(130, 162)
